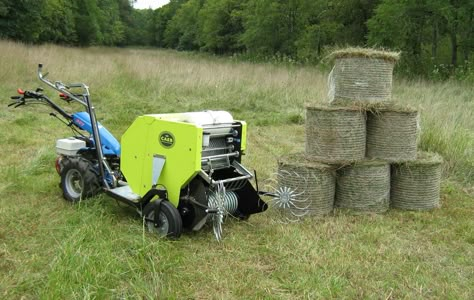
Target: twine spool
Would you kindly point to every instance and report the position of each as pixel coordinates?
(416, 185)
(362, 75)
(392, 134)
(335, 134)
(364, 187)
(314, 184)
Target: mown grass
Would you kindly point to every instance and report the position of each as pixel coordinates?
(50, 249)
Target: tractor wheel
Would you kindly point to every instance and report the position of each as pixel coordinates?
(79, 180)
(169, 220)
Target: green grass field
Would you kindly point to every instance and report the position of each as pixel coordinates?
(97, 249)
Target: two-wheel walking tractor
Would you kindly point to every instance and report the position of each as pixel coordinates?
(178, 170)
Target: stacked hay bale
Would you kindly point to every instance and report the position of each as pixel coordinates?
(335, 134)
(416, 184)
(309, 186)
(392, 133)
(368, 139)
(361, 75)
(364, 187)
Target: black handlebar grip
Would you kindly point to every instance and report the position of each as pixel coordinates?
(15, 97)
(40, 65)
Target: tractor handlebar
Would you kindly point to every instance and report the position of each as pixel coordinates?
(65, 88)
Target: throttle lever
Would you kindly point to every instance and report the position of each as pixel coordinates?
(19, 104)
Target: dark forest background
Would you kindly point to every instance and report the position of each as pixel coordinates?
(436, 37)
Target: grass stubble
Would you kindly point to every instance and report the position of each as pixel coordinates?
(50, 249)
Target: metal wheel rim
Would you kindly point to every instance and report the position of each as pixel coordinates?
(163, 229)
(74, 183)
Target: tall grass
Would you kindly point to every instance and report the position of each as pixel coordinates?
(52, 250)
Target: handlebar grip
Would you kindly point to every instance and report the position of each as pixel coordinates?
(15, 97)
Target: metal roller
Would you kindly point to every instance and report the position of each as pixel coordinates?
(230, 201)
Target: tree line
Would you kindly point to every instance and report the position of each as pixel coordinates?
(435, 36)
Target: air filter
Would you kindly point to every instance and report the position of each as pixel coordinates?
(364, 187)
(416, 184)
(305, 187)
(335, 134)
(392, 134)
(363, 75)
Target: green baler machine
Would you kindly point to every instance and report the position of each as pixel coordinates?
(196, 158)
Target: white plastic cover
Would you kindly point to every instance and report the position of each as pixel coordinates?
(202, 118)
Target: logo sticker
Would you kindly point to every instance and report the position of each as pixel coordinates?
(166, 139)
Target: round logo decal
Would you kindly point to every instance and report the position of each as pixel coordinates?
(167, 139)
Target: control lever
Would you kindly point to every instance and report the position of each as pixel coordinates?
(61, 120)
(17, 103)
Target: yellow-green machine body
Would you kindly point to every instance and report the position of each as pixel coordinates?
(196, 158)
(178, 143)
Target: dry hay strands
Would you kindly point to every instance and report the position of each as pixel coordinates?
(392, 134)
(335, 134)
(363, 75)
(311, 184)
(368, 53)
(416, 185)
(364, 187)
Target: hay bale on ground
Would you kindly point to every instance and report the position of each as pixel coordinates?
(312, 184)
(416, 185)
(364, 187)
(363, 75)
(335, 134)
(392, 134)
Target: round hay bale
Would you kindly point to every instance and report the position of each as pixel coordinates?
(335, 134)
(312, 185)
(364, 187)
(392, 134)
(416, 185)
(362, 75)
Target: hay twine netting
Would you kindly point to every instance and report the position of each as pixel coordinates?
(364, 187)
(416, 185)
(363, 75)
(335, 135)
(305, 188)
(392, 135)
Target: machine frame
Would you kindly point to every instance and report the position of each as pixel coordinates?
(187, 191)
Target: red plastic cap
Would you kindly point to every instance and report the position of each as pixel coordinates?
(20, 91)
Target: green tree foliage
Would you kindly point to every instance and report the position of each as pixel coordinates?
(420, 27)
(112, 29)
(58, 21)
(87, 22)
(182, 30)
(162, 17)
(221, 26)
(273, 27)
(21, 19)
(140, 30)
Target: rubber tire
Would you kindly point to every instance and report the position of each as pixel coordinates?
(167, 212)
(87, 180)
